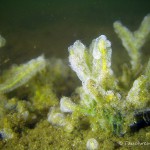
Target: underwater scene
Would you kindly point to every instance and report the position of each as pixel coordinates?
(75, 75)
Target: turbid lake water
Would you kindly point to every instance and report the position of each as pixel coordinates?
(48, 27)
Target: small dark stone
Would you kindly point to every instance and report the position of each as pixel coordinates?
(142, 120)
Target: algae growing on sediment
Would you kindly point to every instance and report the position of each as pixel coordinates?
(43, 106)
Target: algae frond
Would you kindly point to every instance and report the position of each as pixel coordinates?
(2, 41)
(19, 75)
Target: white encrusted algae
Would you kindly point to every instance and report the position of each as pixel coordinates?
(137, 89)
(77, 60)
(66, 105)
(55, 117)
(133, 41)
(93, 67)
(92, 144)
(138, 96)
(107, 103)
(142, 33)
(93, 63)
(6, 134)
(22, 74)
(102, 52)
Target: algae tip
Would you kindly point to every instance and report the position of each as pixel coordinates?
(2, 41)
(22, 74)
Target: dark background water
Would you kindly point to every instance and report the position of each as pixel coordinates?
(34, 27)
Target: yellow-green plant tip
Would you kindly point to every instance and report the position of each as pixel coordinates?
(22, 74)
(55, 117)
(101, 57)
(138, 96)
(2, 41)
(133, 41)
(66, 105)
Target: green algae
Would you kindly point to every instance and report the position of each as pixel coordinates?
(48, 137)
(21, 74)
(101, 109)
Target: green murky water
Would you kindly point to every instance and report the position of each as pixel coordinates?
(48, 27)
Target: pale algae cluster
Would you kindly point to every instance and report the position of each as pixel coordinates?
(104, 106)
(107, 102)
